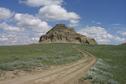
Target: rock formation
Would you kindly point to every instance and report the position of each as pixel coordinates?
(62, 34)
(123, 44)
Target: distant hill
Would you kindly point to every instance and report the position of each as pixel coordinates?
(62, 34)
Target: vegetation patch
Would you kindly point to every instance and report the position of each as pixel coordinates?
(100, 73)
(110, 67)
(38, 55)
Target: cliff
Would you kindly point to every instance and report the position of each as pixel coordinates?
(62, 34)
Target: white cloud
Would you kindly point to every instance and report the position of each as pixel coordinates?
(30, 21)
(3, 38)
(7, 39)
(123, 33)
(14, 38)
(53, 10)
(5, 13)
(8, 27)
(101, 35)
(38, 3)
(27, 29)
(56, 12)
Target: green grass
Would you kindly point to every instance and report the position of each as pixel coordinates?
(41, 55)
(115, 56)
(37, 55)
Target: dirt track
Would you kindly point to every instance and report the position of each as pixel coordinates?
(67, 74)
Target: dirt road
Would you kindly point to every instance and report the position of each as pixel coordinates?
(66, 74)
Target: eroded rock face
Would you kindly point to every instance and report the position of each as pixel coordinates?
(123, 44)
(62, 34)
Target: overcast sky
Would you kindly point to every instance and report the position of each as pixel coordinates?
(24, 21)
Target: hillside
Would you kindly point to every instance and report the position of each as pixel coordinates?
(110, 66)
(40, 62)
(30, 56)
(62, 34)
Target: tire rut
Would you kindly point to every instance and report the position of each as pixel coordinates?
(56, 74)
(67, 74)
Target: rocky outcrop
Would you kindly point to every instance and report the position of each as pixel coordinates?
(123, 44)
(62, 34)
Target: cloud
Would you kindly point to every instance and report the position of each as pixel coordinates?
(14, 38)
(101, 35)
(5, 13)
(26, 29)
(3, 38)
(56, 12)
(30, 21)
(53, 10)
(8, 27)
(123, 33)
(7, 39)
(38, 3)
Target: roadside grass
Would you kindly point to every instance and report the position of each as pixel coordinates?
(27, 57)
(113, 62)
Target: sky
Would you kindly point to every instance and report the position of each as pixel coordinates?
(24, 21)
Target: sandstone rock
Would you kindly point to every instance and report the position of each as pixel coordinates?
(62, 34)
(123, 44)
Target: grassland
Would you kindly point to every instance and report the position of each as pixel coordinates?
(42, 55)
(39, 55)
(114, 59)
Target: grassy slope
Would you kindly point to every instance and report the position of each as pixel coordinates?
(25, 57)
(115, 56)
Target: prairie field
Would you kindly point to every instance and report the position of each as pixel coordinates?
(110, 66)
